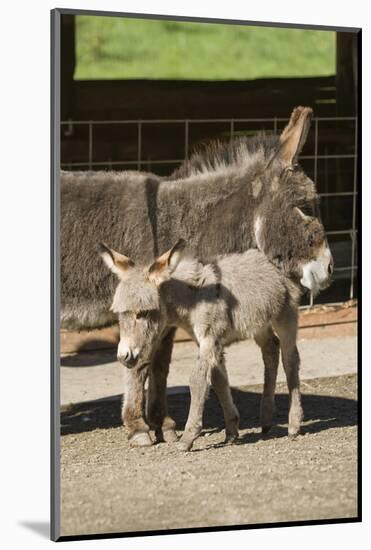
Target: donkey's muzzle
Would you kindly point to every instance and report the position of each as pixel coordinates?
(317, 273)
(128, 359)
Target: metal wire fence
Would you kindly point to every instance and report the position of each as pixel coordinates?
(346, 268)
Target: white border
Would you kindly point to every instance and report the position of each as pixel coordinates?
(24, 218)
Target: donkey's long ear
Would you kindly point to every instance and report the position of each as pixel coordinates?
(294, 136)
(117, 263)
(162, 267)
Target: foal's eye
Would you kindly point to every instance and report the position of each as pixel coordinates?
(310, 240)
(148, 314)
(142, 315)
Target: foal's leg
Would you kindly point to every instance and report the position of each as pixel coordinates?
(270, 348)
(220, 383)
(133, 407)
(157, 411)
(209, 358)
(286, 328)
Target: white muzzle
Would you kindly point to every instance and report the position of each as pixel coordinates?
(316, 273)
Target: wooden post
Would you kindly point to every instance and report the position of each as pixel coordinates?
(346, 73)
(346, 103)
(68, 61)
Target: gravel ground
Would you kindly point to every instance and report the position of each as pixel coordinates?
(108, 487)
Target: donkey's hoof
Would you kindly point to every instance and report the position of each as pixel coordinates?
(183, 446)
(230, 439)
(293, 433)
(266, 429)
(142, 439)
(170, 436)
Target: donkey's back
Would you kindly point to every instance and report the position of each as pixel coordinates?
(99, 206)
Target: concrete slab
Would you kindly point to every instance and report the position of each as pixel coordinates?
(94, 375)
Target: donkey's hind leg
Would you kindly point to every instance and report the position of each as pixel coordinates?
(157, 410)
(270, 348)
(220, 384)
(286, 327)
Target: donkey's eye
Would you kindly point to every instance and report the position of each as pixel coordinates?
(311, 240)
(307, 210)
(143, 315)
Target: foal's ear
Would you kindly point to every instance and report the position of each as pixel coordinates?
(294, 136)
(117, 263)
(162, 267)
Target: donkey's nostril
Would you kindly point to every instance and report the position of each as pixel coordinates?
(124, 357)
(128, 358)
(131, 361)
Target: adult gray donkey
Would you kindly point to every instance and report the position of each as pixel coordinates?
(248, 194)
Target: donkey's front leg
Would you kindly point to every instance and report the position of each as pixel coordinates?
(133, 407)
(287, 331)
(270, 348)
(157, 410)
(199, 385)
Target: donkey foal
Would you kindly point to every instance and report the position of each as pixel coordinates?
(235, 297)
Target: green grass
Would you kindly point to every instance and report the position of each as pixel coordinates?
(110, 47)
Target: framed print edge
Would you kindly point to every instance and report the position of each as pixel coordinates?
(55, 270)
(55, 424)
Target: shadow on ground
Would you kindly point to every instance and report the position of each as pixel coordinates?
(90, 358)
(323, 412)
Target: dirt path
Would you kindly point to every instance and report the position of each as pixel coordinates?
(94, 375)
(108, 487)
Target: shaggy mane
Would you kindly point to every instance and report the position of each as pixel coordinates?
(194, 273)
(219, 155)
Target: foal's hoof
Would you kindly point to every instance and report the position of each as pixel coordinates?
(266, 429)
(183, 446)
(170, 436)
(293, 433)
(141, 439)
